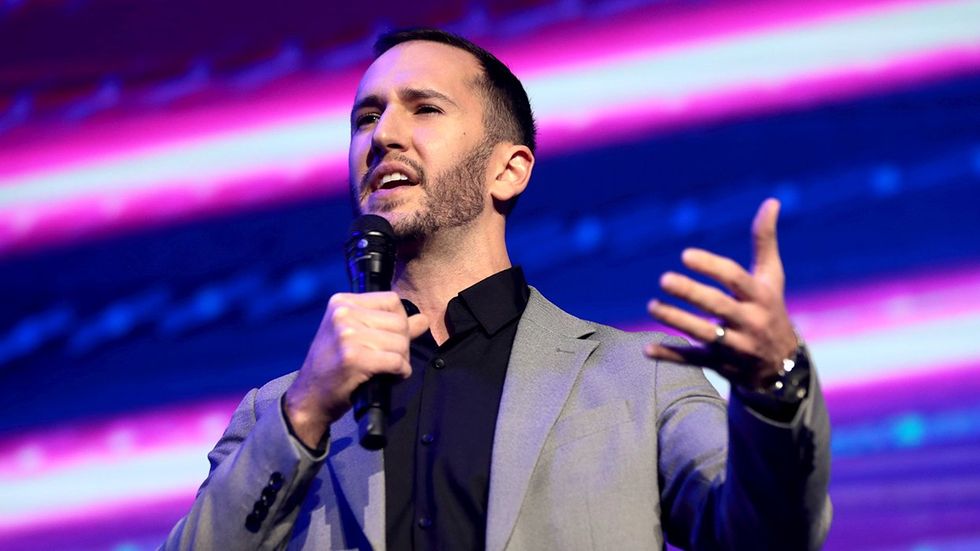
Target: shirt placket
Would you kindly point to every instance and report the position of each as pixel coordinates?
(426, 450)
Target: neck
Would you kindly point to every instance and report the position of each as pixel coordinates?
(433, 270)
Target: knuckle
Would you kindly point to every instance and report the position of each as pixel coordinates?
(402, 343)
(387, 363)
(754, 325)
(390, 298)
(726, 310)
(338, 299)
(744, 284)
(337, 313)
(730, 280)
(349, 355)
(345, 334)
(400, 320)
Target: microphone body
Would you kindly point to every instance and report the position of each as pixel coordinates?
(370, 253)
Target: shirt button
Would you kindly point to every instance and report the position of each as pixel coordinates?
(439, 363)
(427, 438)
(425, 523)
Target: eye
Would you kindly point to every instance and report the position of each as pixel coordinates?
(426, 108)
(365, 119)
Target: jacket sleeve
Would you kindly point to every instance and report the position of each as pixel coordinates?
(759, 485)
(258, 479)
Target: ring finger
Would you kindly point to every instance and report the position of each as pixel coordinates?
(697, 327)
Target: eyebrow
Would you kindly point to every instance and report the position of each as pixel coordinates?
(406, 94)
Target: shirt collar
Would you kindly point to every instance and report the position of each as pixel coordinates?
(491, 303)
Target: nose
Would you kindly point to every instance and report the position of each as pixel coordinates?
(390, 134)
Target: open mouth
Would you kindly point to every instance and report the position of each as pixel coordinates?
(393, 180)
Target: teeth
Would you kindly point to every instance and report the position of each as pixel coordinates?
(393, 177)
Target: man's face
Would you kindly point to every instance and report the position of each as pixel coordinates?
(418, 152)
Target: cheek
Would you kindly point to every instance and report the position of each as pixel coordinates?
(436, 149)
(357, 163)
(357, 153)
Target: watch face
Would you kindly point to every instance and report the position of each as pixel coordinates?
(792, 385)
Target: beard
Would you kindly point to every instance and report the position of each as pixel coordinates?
(451, 199)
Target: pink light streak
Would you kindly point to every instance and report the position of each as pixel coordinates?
(606, 125)
(873, 306)
(85, 212)
(178, 437)
(115, 439)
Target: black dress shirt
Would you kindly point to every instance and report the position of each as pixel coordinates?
(440, 434)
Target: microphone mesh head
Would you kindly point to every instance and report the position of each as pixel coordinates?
(371, 223)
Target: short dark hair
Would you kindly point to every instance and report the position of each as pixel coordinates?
(508, 115)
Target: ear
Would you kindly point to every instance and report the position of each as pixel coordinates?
(512, 171)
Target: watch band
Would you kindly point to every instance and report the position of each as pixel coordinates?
(781, 396)
(791, 384)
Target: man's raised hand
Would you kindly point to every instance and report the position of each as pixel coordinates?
(753, 333)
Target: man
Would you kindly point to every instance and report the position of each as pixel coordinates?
(516, 425)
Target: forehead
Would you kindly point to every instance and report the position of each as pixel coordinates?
(421, 64)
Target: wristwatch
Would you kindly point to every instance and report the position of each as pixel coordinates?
(790, 386)
(781, 396)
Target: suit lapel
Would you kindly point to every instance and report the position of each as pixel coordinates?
(547, 355)
(359, 485)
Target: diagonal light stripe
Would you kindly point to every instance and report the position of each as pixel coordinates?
(649, 83)
(159, 473)
(890, 353)
(163, 453)
(290, 148)
(673, 76)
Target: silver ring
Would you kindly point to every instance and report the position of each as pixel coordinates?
(719, 336)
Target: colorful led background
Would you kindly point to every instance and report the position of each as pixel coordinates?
(172, 207)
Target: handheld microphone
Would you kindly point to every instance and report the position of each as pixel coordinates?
(370, 252)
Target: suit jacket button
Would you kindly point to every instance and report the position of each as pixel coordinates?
(253, 522)
(275, 481)
(260, 510)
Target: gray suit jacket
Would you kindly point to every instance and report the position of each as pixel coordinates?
(596, 447)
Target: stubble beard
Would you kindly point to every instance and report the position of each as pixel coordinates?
(451, 199)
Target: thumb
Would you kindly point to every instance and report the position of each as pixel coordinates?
(765, 249)
(417, 325)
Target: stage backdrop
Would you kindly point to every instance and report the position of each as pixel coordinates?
(173, 204)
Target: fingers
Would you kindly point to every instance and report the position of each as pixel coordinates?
(417, 325)
(696, 326)
(356, 327)
(765, 248)
(360, 336)
(705, 297)
(682, 354)
(364, 361)
(758, 331)
(694, 355)
(387, 301)
(721, 269)
(358, 316)
(374, 339)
